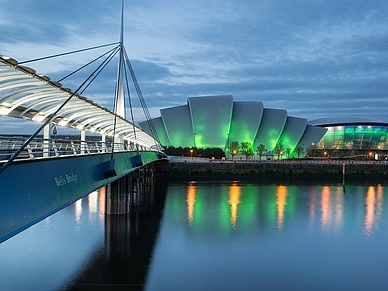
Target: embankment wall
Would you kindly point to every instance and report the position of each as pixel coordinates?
(265, 170)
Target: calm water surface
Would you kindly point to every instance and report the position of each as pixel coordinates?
(210, 236)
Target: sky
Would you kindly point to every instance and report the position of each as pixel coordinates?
(313, 58)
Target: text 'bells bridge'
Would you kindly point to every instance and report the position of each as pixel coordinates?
(40, 175)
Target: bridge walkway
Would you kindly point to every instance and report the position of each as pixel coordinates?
(51, 175)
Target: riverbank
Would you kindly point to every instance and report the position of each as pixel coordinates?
(295, 170)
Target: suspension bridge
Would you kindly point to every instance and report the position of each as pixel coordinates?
(43, 172)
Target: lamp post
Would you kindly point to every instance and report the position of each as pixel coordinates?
(194, 144)
(254, 148)
(312, 149)
(191, 153)
(227, 144)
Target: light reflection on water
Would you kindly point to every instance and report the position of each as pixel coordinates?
(190, 203)
(78, 211)
(271, 237)
(211, 236)
(50, 253)
(234, 201)
(331, 202)
(281, 202)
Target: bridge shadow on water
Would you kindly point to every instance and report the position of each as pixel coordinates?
(123, 262)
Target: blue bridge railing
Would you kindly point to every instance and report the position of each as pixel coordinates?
(45, 148)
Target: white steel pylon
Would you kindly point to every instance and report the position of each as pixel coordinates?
(119, 94)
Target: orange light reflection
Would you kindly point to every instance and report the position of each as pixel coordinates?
(281, 202)
(93, 202)
(370, 210)
(325, 207)
(234, 200)
(191, 192)
(101, 196)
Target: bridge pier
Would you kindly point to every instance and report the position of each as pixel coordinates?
(125, 193)
(121, 195)
(147, 176)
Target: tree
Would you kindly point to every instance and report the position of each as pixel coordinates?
(233, 148)
(299, 150)
(246, 149)
(279, 148)
(217, 153)
(288, 152)
(260, 150)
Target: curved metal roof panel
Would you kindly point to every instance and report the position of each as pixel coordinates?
(235, 121)
(345, 120)
(25, 94)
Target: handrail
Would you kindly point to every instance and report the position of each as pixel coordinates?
(179, 159)
(48, 148)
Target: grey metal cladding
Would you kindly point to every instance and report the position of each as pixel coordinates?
(246, 119)
(293, 131)
(160, 130)
(178, 125)
(312, 134)
(271, 126)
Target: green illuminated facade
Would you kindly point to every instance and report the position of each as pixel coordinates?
(180, 128)
(353, 134)
(211, 119)
(271, 127)
(215, 121)
(246, 119)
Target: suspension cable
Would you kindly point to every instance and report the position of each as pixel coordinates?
(130, 105)
(115, 102)
(84, 66)
(49, 119)
(67, 53)
(141, 98)
(105, 63)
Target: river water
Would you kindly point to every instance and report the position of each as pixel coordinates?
(209, 235)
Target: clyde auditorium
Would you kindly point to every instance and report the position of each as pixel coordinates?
(215, 121)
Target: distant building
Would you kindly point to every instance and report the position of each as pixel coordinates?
(215, 121)
(351, 133)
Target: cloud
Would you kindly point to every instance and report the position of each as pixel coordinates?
(313, 58)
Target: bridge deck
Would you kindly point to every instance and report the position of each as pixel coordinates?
(33, 189)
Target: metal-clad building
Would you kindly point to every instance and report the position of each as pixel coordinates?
(215, 121)
(353, 133)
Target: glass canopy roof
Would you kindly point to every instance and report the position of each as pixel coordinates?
(27, 95)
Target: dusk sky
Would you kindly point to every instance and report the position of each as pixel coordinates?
(313, 58)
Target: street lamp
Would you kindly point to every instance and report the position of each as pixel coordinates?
(312, 149)
(191, 153)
